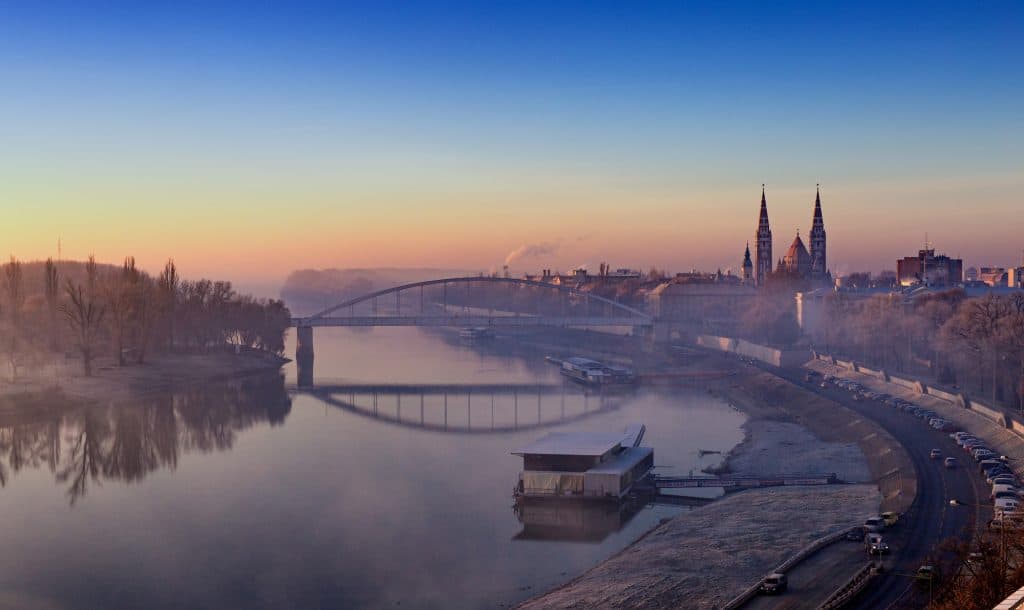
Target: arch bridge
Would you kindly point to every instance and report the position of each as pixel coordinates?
(474, 301)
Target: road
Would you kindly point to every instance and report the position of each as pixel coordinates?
(814, 580)
(930, 519)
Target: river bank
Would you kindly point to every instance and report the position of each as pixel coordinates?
(705, 557)
(64, 381)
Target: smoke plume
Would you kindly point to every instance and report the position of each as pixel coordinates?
(531, 251)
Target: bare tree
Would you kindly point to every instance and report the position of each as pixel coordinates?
(117, 299)
(15, 289)
(167, 299)
(52, 288)
(85, 317)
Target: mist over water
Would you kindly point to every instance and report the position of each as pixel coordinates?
(241, 495)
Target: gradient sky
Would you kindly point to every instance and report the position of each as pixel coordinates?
(246, 141)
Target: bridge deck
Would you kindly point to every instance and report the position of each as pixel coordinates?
(435, 388)
(472, 320)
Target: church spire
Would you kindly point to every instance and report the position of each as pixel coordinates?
(762, 244)
(819, 263)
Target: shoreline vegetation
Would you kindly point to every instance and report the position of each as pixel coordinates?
(84, 331)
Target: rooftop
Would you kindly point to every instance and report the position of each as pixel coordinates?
(625, 460)
(572, 443)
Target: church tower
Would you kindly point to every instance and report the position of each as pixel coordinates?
(748, 266)
(819, 266)
(762, 245)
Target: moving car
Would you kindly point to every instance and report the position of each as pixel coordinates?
(874, 524)
(935, 454)
(950, 462)
(774, 583)
(879, 548)
(890, 518)
(927, 572)
(855, 535)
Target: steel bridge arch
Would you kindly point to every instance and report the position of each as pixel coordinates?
(567, 290)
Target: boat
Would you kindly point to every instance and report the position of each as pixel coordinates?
(584, 466)
(595, 373)
(477, 333)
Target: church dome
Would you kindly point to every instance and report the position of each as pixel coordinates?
(797, 258)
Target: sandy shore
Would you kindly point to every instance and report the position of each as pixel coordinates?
(111, 383)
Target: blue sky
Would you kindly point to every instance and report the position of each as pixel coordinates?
(457, 125)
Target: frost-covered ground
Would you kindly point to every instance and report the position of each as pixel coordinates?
(776, 447)
(704, 558)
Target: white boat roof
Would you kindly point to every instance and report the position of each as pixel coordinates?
(583, 362)
(572, 443)
(624, 461)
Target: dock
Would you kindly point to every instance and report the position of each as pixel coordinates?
(735, 482)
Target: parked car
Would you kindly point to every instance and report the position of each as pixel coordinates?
(1003, 487)
(935, 454)
(950, 462)
(997, 472)
(1005, 479)
(1007, 521)
(985, 464)
(774, 583)
(1006, 505)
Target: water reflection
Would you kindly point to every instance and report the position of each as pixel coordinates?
(468, 408)
(573, 521)
(127, 442)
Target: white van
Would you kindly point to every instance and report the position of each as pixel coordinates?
(1006, 505)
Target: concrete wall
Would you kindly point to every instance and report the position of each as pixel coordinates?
(769, 355)
(992, 414)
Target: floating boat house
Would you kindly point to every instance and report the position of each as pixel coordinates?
(584, 465)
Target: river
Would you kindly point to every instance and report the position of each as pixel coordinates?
(250, 494)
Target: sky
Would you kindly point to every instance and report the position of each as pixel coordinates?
(247, 140)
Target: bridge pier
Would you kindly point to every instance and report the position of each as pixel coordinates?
(304, 355)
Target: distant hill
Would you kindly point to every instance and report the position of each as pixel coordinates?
(308, 291)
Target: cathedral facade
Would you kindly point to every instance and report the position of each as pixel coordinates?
(808, 264)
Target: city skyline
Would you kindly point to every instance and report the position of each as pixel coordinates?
(362, 136)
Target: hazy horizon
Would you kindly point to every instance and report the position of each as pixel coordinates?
(250, 143)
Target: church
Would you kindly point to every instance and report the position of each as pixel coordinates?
(807, 264)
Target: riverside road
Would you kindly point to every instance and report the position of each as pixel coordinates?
(915, 540)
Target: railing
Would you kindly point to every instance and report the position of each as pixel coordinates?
(787, 565)
(848, 591)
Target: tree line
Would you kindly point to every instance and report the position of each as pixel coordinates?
(975, 344)
(126, 313)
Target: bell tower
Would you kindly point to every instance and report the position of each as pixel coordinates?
(762, 245)
(819, 266)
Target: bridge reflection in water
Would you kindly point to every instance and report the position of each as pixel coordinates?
(466, 408)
